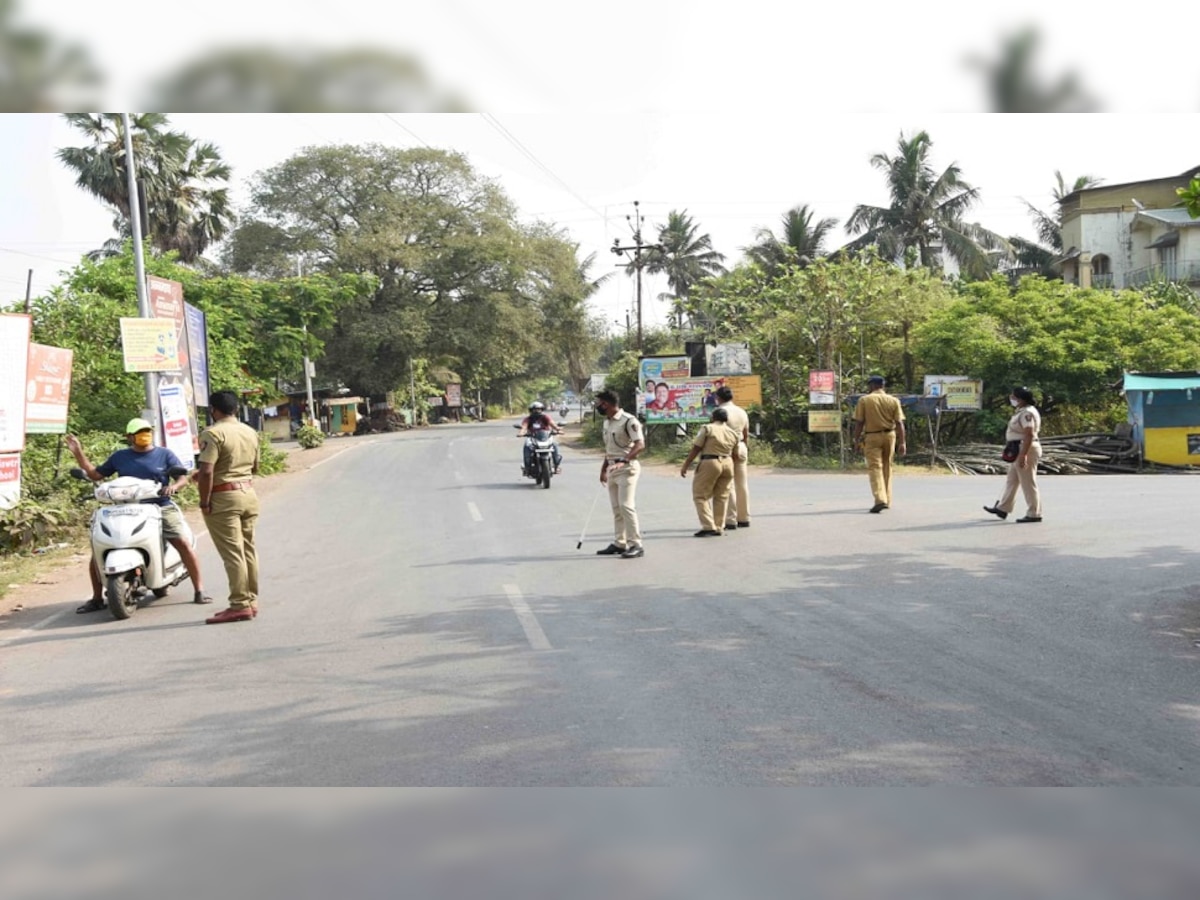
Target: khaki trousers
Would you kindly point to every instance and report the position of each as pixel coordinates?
(739, 496)
(879, 448)
(622, 495)
(1027, 479)
(231, 524)
(710, 491)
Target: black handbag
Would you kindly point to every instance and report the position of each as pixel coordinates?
(1011, 451)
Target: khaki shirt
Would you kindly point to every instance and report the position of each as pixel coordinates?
(232, 448)
(621, 432)
(739, 421)
(878, 411)
(717, 439)
(1025, 417)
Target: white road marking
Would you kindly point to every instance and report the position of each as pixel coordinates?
(474, 510)
(533, 631)
(339, 453)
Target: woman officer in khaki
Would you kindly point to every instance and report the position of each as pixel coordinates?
(715, 444)
(1024, 427)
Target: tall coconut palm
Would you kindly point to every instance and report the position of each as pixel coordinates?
(187, 205)
(799, 241)
(1049, 225)
(926, 211)
(686, 257)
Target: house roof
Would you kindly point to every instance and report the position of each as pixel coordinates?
(1175, 218)
(1160, 381)
(1186, 173)
(1166, 239)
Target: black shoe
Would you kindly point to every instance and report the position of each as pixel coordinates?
(741, 525)
(995, 511)
(878, 508)
(1030, 519)
(92, 605)
(730, 526)
(633, 551)
(707, 532)
(611, 550)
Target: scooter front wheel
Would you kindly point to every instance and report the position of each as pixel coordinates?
(122, 595)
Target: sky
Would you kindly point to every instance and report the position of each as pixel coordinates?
(733, 172)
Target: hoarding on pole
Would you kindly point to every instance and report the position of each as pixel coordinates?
(668, 393)
(822, 387)
(48, 389)
(166, 302)
(149, 345)
(15, 330)
(824, 420)
(176, 429)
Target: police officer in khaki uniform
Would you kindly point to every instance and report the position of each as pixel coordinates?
(737, 514)
(622, 443)
(879, 431)
(715, 444)
(228, 460)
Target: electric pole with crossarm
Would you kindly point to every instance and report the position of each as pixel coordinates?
(637, 247)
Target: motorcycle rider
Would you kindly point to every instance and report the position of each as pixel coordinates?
(143, 460)
(539, 420)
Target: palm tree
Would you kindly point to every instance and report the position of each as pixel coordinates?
(799, 241)
(187, 205)
(39, 73)
(926, 211)
(686, 257)
(1049, 225)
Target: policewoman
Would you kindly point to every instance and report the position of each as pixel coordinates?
(715, 444)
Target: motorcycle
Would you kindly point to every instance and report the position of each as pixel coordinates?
(541, 457)
(128, 543)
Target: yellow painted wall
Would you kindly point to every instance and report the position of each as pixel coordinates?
(1170, 446)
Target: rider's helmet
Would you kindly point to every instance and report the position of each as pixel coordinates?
(536, 406)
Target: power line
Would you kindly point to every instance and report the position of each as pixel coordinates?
(529, 154)
(405, 128)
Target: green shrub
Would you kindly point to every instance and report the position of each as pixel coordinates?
(32, 524)
(309, 437)
(493, 411)
(270, 460)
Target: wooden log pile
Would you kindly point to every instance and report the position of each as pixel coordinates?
(1068, 454)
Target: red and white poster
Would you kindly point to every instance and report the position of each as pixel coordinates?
(14, 370)
(177, 429)
(48, 390)
(10, 480)
(166, 302)
(822, 387)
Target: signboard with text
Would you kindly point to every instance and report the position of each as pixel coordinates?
(176, 425)
(668, 393)
(48, 389)
(10, 480)
(963, 395)
(166, 302)
(822, 387)
(824, 420)
(14, 372)
(728, 359)
(149, 345)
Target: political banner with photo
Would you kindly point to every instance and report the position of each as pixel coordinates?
(48, 389)
(15, 330)
(668, 393)
(166, 302)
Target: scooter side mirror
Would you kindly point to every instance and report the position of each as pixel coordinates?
(77, 472)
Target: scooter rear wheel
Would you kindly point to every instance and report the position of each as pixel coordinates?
(122, 595)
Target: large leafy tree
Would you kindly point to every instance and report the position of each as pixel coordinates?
(926, 212)
(800, 241)
(459, 277)
(683, 254)
(185, 182)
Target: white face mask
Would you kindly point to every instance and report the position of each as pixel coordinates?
(1014, 401)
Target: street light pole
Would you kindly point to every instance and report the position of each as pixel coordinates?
(149, 379)
(312, 415)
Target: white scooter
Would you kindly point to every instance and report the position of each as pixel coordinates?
(128, 542)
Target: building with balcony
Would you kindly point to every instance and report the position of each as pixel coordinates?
(1128, 235)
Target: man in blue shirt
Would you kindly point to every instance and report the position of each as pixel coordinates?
(143, 460)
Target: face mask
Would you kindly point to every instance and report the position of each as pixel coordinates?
(602, 409)
(143, 440)
(1014, 401)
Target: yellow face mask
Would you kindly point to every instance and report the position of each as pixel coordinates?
(143, 440)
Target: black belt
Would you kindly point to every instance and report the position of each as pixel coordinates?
(712, 456)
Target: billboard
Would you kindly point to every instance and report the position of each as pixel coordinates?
(48, 389)
(728, 359)
(14, 371)
(824, 420)
(668, 393)
(822, 387)
(453, 394)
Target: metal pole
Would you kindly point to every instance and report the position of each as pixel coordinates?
(29, 293)
(312, 410)
(412, 384)
(150, 379)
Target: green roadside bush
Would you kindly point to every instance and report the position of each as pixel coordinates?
(309, 437)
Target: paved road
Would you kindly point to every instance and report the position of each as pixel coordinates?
(427, 620)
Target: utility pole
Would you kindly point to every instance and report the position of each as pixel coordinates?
(637, 247)
(29, 293)
(312, 410)
(149, 379)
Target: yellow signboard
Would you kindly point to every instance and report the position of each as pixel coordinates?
(747, 389)
(824, 420)
(961, 395)
(150, 345)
